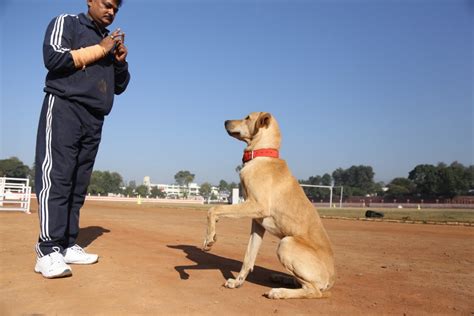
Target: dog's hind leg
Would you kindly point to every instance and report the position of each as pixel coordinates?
(303, 263)
(255, 241)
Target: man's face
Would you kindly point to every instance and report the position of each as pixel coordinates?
(103, 11)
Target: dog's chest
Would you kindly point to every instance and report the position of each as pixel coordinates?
(269, 224)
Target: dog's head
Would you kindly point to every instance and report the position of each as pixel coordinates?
(258, 130)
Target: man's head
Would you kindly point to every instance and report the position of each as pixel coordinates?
(103, 11)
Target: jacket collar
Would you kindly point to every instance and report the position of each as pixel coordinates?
(85, 19)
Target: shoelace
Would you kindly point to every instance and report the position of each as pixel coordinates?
(77, 249)
(56, 258)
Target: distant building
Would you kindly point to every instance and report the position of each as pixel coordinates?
(173, 191)
(176, 191)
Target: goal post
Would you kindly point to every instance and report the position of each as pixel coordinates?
(15, 194)
(330, 188)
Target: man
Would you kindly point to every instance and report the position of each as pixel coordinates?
(86, 67)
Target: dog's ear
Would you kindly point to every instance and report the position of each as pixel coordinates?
(263, 120)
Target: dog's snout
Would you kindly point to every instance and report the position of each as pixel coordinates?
(226, 123)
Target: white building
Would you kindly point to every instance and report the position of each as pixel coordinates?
(176, 191)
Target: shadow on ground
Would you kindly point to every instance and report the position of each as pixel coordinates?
(88, 234)
(206, 260)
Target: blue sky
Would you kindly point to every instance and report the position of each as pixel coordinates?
(382, 83)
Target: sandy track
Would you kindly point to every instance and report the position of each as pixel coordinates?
(151, 263)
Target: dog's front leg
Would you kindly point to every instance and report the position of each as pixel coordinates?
(255, 241)
(247, 209)
(211, 230)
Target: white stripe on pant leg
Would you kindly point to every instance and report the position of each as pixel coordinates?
(43, 179)
(50, 166)
(46, 177)
(39, 253)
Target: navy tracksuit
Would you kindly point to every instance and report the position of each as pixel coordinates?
(70, 126)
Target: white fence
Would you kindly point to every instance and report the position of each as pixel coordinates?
(15, 194)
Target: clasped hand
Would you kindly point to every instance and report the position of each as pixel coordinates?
(116, 39)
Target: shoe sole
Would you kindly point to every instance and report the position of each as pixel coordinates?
(82, 262)
(64, 274)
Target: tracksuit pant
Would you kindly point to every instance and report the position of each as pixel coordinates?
(66, 146)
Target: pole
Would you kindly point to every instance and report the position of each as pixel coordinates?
(330, 197)
(340, 201)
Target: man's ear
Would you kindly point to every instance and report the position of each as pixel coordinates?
(263, 120)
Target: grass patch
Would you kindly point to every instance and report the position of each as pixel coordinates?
(433, 215)
(424, 215)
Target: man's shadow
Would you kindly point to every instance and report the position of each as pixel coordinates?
(206, 260)
(88, 234)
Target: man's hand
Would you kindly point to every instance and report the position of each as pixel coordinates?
(121, 51)
(112, 40)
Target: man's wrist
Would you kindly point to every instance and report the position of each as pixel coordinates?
(88, 55)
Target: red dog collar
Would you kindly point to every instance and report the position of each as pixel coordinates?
(266, 152)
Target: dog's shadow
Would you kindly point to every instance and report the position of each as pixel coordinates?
(88, 234)
(206, 260)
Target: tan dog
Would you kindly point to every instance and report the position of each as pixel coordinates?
(276, 203)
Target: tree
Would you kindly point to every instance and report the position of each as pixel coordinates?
(470, 176)
(31, 176)
(442, 181)
(95, 186)
(453, 180)
(116, 182)
(128, 191)
(155, 192)
(357, 180)
(426, 179)
(400, 188)
(326, 179)
(223, 186)
(14, 168)
(238, 168)
(142, 190)
(184, 177)
(132, 184)
(205, 190)
(233, 185)
(317, 194)
(104, 182)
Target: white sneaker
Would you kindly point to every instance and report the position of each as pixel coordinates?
(77, 255)
(53, 266)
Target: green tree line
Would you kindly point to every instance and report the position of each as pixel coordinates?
(423, 181)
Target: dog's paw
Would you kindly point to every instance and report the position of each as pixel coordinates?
(233, 283)
(208, 242)
(275, 294)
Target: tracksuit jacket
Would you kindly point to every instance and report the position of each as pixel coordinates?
(95, 86)
(70, 126)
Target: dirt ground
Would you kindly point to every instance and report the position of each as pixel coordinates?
(151, 263)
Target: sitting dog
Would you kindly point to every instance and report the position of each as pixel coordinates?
(276, 203)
